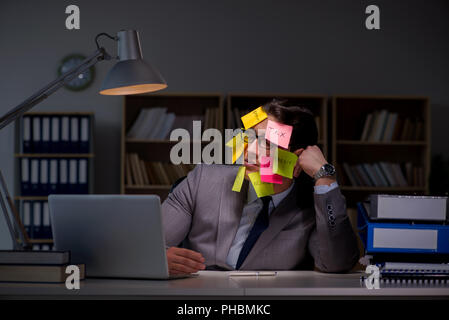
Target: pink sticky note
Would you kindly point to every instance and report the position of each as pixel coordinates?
(266, 171)
(278, 133)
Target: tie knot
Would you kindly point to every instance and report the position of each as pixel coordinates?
(266, 200)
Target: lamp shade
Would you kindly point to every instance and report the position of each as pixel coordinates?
(131, 74)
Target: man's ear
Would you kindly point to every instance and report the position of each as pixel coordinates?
(297, 170)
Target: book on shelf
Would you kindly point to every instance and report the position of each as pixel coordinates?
(157, 124)
(384, 174)
(385, 126)
(141, 173)
(34, 257)
(35, 217)
(55, 133)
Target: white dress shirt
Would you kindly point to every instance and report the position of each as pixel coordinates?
(250, 212)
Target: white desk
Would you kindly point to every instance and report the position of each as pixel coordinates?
(217, 285)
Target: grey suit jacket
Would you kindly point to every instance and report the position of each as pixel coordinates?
(205, 213)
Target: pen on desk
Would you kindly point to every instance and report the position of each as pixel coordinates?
(252, 273)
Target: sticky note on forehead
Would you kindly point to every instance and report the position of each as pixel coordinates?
(238, 182)
(278, 133)
(262, 188)
(254, 117)
(284, 163)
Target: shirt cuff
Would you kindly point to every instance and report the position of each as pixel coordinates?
(322, 189)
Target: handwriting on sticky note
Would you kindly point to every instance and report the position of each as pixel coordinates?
(237, 144)
(278, 133)
(266, 171)
(284, 163)
(238, 182)
(254, 117)
(262, 188)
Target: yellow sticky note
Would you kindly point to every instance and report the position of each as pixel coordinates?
(238, 146)
(238, 182)
(284, 163)
(262, 188)
(254, 117)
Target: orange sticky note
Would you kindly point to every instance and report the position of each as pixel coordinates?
(254, 117)
(262, 188)
(238, 182)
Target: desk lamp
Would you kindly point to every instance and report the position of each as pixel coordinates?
(130, 75)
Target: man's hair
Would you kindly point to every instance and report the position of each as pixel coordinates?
(305, 132)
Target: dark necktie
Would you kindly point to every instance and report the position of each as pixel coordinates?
(259, 226)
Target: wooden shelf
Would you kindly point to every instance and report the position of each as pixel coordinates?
(54, 155)
(31, 198)
(349, 114)
(41, 241)
(381, 143)
(158, 150)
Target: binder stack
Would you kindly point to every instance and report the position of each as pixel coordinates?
(55, 154)
(402, 234)
(48, 133)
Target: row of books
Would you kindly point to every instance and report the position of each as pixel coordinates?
(139, 172)
(55, 134)
(157, 123)
(383, 174)
(35, 217)
(390, 126)
(44, 176)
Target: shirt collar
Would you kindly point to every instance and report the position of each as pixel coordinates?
(276, 198)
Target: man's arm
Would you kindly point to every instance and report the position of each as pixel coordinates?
(333, 244)
(178, 208)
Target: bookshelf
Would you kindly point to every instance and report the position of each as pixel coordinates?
(363, 138)
(145, 156)
(243, 102)
(64, 156)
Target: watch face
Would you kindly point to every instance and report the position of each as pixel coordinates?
(330, 170)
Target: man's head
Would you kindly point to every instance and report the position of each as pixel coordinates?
(304, 131)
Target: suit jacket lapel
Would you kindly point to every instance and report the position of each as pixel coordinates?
(231, 208)
(279, 218)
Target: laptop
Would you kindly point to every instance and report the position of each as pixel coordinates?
(115, 236)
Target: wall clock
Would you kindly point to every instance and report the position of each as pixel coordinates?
(83, 80)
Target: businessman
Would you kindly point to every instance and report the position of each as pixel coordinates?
(304, 220)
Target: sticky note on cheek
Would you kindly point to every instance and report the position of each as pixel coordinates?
(266, 171)
(238, 182)
(262, 188)
(254, 117)
(278, 133)
(284, 163)
(238, 146)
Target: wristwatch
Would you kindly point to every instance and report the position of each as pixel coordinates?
(327, 170)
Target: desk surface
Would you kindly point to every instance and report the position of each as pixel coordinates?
(216, 284)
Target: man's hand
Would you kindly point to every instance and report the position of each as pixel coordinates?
(184, 261)
(310, 160)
